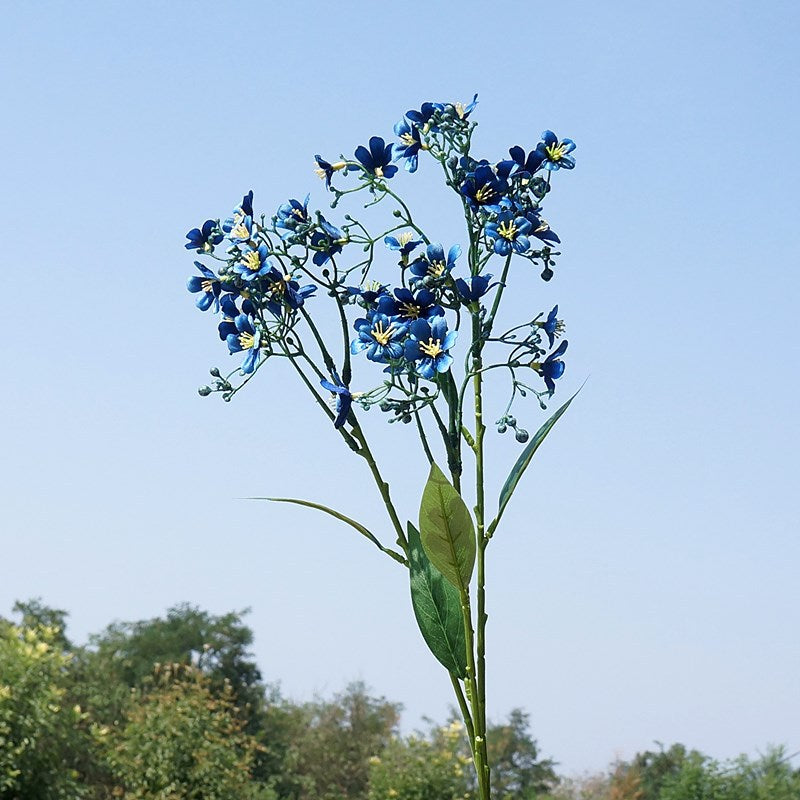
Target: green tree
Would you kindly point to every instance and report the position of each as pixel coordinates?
(183, 741)
(340, 736)
(41, 733)
(518, 772)
(432, 767)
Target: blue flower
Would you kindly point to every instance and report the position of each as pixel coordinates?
(282, 290)
(552, 367)
(325, 169)
(484, 188)
(409, 305)
(429, 343)
(433, 267)
(210, 286)
(377, 160)
(247, 339)
(423, 117)
(555, 154)
(203, 239)
(540, 228)
(327, 242)
(368, 294)
(552, 326)
(241, 230)
(477, 287)
(381, 336)
(230, 312)
(509, 233)
(240, 212)
(344, 400)
(252, 263)
(526, 166)
(405, 243)
(462, 111)
(410, 144)
(291, 216)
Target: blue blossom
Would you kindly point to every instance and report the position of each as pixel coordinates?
(381, 336)
(428, 344)
(405, 243)
(433, 267)
(423, 117)
(526, 166)
(240, 212)
(377, 160)
(484, 188)
(410, 144)
(325, 169)
(282, 290)
(509, 233)
(462, 111)
(410, 305)
(476, 288)
(344, 400)
(292, 216)
(540, 228)
(252, 263)
(552, 326)
(230, 312)
(327, 242)
(246, 339)
(241, 230)
(203, 239)
(552, 367)
(209, 285)
(368, 294)
(555, 154)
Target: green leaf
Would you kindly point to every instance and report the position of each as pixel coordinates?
(446, 530)
(351, 522)
(437, 607)
(527, 454)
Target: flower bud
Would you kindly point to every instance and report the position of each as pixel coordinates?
(521, 435)
(204, 391)
(214, 372)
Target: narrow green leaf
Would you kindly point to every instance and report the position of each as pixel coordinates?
(437, 607)
(446, 530)
(351, 522)
(526, 456)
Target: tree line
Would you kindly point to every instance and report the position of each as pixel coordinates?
(176, 708)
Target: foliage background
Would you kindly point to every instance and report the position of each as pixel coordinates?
(648, 582)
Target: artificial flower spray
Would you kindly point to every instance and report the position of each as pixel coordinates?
(412, 329)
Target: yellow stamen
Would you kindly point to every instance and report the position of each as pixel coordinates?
(555, 152)
(484, 194)
(378, 172)
(252, 261)
(431, 348)
(382, 336)
(508, 230)
(407, 139)
(240, 232)
(246, 341)
(405, 237)
(436, 269)
(409, 310)
(207, 286)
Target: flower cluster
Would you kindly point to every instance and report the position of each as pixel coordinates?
(272, 265)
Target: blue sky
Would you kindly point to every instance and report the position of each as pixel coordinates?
(645, 585)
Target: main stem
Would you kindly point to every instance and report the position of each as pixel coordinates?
(480, 429)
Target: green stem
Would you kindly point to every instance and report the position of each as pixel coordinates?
(480, 429)
(478, 738)
(465, 713)
(383, 487)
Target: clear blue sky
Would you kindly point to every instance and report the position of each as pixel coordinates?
(645, 586)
